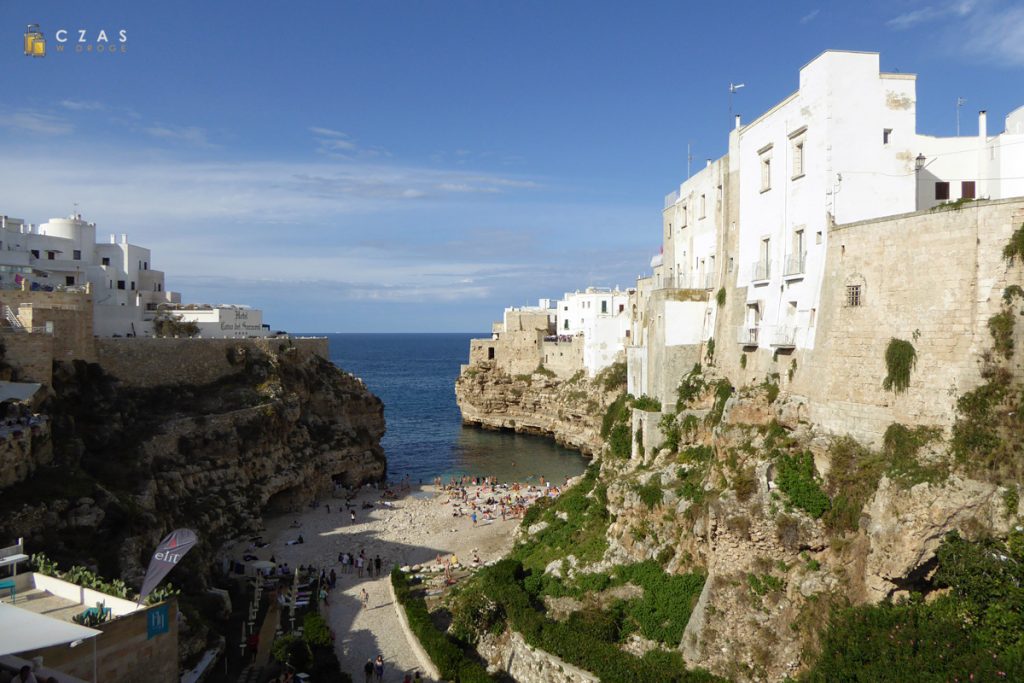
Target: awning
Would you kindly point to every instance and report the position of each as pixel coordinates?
(24, 630)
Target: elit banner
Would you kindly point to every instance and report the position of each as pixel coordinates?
(165, 557)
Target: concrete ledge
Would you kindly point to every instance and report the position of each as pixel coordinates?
(414, 643)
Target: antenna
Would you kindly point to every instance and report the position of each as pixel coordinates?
(689, 158)
(960, 101)
(733, 88)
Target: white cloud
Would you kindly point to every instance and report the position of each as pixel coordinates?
(191, 135)
(83, 105)
(997, 37)
(809, 17)
(34, 122)
(957, 9)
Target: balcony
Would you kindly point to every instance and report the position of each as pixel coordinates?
(796, 265)
(761, 272)
(782, 336)
(698, 281)
(747, 335)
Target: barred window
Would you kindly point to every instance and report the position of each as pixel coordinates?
(853, 295)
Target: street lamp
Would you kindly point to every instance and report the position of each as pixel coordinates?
(918, 165)
(919, 162)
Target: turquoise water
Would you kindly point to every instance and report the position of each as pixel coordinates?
(414, 374)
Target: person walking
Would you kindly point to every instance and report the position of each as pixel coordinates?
(378, 668)
(365, 597)
(359, 566)
(368, 670)
(352, 513)
(376, 565)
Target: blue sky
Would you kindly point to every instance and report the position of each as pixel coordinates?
(417, 166)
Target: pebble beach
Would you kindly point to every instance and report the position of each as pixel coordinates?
(418, 526)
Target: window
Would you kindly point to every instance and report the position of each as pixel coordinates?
(51, 255)
(604, 305)
(622, 307)
(853, 295)
(35, 253)
(133, 285)
(145, 265)
(703, 206)
(682, 217)
(159, 286)
(886, 135)
(817, 237)
(766, 173)
(110, 284)
(69, 280)
(668, 235)
(967, 189)
(942, 190)
(798, 159)
(812, 317)
(77, 254)
(490, 353)
(120, 284)
(566, 325)
(105, 261)
(730, 264)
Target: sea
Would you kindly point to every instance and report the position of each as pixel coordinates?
(414, 374)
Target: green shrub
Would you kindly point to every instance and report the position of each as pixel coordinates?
(1015, 247)
(973, 632)
(618, 441)
(1012, 292)
(690, 388)
(723, 391)
(670, 428)
(647, 403)
(1000, 326)
(450, 659)
(900, 360)
(315, 631)
(292, 650)
(743, 361)
(612, 377)
(541, 370)
(617, 412)
(797, 479)
(709, 353)
(720, 297)
(651, 493)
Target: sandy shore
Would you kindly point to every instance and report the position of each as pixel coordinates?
(414, 529)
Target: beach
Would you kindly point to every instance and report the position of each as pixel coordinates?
(417, 527)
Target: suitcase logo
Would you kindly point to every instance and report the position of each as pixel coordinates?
(35, 43)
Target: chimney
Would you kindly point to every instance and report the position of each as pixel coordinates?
(708, 163)
(983, 125)
(113, 238)
(737, 121)
(124, 238)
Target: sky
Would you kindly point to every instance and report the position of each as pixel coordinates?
(386, 166)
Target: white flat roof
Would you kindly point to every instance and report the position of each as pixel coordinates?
(24, 630)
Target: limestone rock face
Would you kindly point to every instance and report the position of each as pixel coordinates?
(131, 463)
(907, 526)
(568, 411)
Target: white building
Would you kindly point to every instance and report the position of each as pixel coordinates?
(63, 254)
(844, 148)
(600, 315)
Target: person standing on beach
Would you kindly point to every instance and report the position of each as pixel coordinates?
(365, 597)
(473, 517)
(378, 668)
(352, 514)
(368, 670)
(359, 566)
(376, 565)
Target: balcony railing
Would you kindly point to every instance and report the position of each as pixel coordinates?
(762, 270)
(671, 198)
(747, 335)
(795, 264)
(687, 281)
(783, 336)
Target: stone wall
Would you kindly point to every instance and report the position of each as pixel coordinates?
(70, 312)
(148, 362)
(31, 355)
(527, 664)
(937, 276)
(123, 652)
(24, 449)
(564, 359)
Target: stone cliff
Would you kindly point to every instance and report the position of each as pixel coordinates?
(569, 411)
(129, 462)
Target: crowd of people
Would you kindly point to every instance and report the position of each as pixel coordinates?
(491, 499)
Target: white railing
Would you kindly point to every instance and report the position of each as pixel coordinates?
(795, 264)
(687, 281)
(762, 270)
(747, 335)
(12, 319)
(782, 336)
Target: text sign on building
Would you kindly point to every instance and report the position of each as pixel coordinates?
(156, 621)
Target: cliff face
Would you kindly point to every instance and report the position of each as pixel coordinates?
(568, 411)
(131, 463)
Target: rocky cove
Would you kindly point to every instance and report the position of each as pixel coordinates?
(244, 428)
